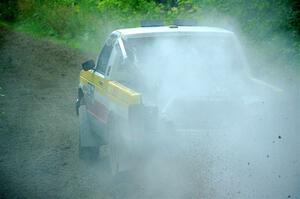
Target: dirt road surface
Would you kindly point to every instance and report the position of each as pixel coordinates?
(39, 142)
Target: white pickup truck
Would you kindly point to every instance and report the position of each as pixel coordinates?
(153, 80)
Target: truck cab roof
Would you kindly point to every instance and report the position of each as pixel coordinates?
(152, 31)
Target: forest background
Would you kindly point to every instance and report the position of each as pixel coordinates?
(269, 30)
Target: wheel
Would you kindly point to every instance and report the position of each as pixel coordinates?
(88, 146)
(88, 153)
(113, 146)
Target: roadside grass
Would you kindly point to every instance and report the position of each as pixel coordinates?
(36, 30)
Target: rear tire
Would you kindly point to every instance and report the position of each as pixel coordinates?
(89, 149)
(88, 153)
(113, 147)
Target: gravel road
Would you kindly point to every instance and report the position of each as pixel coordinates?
(39, 128)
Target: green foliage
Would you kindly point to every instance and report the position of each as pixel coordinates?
(8, 10)
(86, 23)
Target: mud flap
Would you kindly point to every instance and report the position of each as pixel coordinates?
(87, 139)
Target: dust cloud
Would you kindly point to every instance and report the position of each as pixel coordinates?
(223, 133)
(228, 133)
